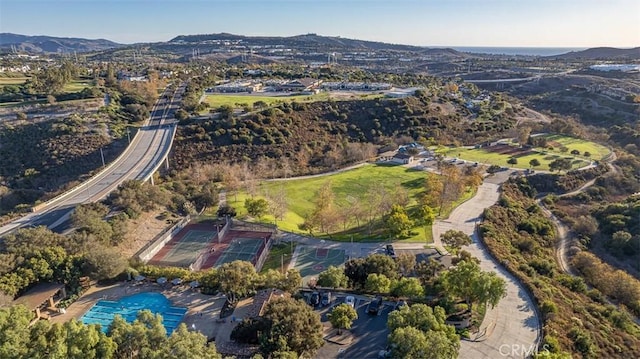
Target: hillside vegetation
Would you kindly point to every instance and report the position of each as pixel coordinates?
(575, 319)
(316, 134)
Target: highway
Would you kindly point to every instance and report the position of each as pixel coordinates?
(139, 161)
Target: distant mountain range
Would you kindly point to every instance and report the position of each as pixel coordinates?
(601, 53)
(50, 44)
(184, 45)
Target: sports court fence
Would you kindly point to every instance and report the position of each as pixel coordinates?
(263, 252)
(150, 249)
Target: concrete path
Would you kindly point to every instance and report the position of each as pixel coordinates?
(513, 323)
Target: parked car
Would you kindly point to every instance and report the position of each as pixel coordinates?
(314, 300)
(325, 298)
(374, 306)
(350, 300)
(390, 251)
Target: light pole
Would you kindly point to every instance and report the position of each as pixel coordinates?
(128, 135)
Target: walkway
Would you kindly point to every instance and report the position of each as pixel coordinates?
(514, 321)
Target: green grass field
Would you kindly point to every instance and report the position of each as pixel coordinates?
(217, 100)
(12, 80)
(77, 85)
(544, 155)
(348, 186)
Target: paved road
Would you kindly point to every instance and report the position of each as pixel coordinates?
(513, 323)
(147, 149)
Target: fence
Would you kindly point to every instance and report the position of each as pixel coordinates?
(264, 252)
(150, 249)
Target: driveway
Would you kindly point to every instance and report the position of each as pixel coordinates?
(512, 327)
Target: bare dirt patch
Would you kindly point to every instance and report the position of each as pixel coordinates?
(141, 231)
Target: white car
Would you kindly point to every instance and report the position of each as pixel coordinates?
(350, 300)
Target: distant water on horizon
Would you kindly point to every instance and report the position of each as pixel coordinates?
(526, 51)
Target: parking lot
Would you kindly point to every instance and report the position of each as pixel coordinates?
(369, 330)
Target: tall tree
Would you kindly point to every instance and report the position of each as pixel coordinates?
(237, 279)
(406, 263)
(407, 288)
(418, 331)
(398, 222)
(342, 317)
(455, 239)
(324, 215)
(293, 326)
(188, 345)
(377, 283)
(332, 277)
(467, 281)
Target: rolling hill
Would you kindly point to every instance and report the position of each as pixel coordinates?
(51, 44)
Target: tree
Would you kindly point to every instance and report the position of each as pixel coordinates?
(377, 283)
(188, 345)
(278, 203)
(292, 326)
(534, 162)
(406, 263)
(226, 210)
(425, 215)
(575, 152)
(237, 279)
(407, 288)
(523, 135)
(104, 262)
(342, 316)
(333, 277)
(418, 331)
(181, 115)
(560, 164)
(381, 264)
(467, 281)
(324, 215)
(398, 222)
(455, 239)
(256, 207)
(512, 161)
(428, 270)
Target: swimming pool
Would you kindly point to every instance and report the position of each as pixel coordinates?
(128, 307)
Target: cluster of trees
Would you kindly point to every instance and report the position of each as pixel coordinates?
(146, 337)
(289, 328)
(419, 331)
(611, 282)
(621, 223)
(403, 277)
(37, 255)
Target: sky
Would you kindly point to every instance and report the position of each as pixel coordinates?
(497, 23)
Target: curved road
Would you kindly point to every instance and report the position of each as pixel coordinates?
(513, 327)
(139, 160)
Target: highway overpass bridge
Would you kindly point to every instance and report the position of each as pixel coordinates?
(145, 154)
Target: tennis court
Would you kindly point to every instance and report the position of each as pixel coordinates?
(183, 249)
(311, 260)
(244, 249)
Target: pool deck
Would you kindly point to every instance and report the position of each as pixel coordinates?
(202, 310)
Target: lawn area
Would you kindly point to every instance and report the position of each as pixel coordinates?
(12, 80)
(598, 151)
(348, 187)
(499, 155)
(77, 85)
(236, 100)
(279, 256)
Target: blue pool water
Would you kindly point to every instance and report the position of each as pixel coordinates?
(104, 311)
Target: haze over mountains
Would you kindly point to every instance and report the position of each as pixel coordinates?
(50, 44)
